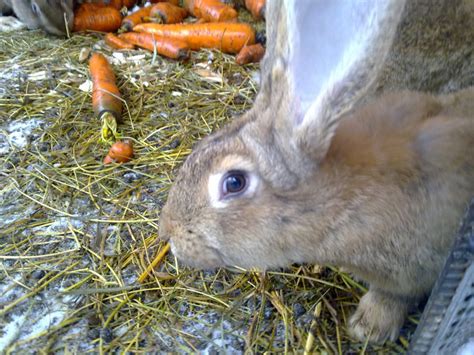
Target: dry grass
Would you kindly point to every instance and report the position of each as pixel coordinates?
(75, 235)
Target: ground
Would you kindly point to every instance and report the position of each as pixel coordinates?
(75, 234)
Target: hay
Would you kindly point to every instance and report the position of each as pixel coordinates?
(75, 235)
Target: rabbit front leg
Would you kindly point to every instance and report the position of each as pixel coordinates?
(379, 316)
(8, 23)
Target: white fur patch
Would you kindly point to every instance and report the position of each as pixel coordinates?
(10, 23)
(230, 163)
(214, 190)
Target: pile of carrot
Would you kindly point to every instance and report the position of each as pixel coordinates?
(159, 27)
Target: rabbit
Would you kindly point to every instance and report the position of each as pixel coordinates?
(315, 172)
(53, 16)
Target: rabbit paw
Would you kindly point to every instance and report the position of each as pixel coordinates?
(10, 23)
(378, 317)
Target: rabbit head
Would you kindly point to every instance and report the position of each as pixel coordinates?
(243, 196)
(53, 16)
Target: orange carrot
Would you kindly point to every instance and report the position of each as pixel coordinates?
(105, 93)
(168, 13)
(201, 20)
(108, 160)
(256, 8)
(135, 18)
(116, 4)
(226, 36)
(96, 18)
(168, 47)
(120, 151)
(211, 10)
(250, 54)
(129, 3)
(117, 43)
(174, 2)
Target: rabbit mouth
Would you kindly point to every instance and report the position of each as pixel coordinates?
(197, 256)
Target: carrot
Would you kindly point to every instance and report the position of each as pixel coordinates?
(105, 93)
(117, 43)
(168, 47)
(174, 2)
(250, 54)
(256, 8)
(168, 13)
(135, 18)
(108, 160)
(96, 18)
(129, 3)
(116, 4)
(211, 10)
(226, 36)
(158, 258)
(120, 152)
(201, 20)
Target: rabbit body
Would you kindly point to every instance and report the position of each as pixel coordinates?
(377, 188)
(53, 16)
(384, 203)
(432, 50)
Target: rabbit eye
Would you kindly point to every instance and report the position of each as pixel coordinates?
(223, 187)
(235, 182)
(34, 8)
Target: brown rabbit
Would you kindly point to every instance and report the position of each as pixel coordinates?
(53, 16)
(303, 177)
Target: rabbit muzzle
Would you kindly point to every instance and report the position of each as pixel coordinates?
(191, 247)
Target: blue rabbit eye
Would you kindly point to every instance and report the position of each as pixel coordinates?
(235, 182)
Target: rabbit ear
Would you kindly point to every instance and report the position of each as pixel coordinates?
(322, 57)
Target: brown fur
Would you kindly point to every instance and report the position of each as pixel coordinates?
(385, 202)
(378, 191)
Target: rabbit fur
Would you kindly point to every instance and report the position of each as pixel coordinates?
(432, 50)
(53, 16)
(377, 188)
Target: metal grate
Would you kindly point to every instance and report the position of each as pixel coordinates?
(447, 323)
